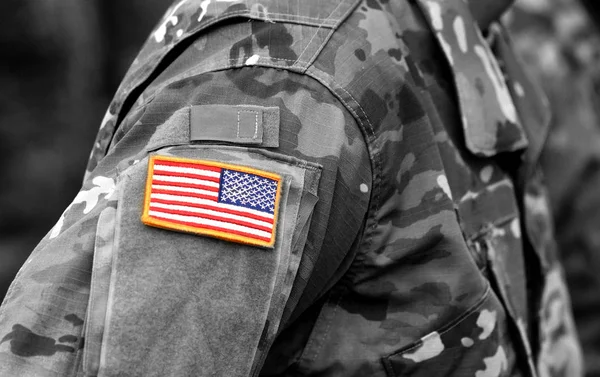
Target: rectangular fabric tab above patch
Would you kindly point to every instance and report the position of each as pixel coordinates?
(230, 202)
(240, 124)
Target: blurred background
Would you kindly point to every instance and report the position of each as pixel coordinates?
(63, 60)
(559, 41)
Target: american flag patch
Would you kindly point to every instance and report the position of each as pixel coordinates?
(229, 202)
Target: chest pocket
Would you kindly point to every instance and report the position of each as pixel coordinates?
(507, 243)
(505, 121)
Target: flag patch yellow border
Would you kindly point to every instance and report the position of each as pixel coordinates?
(221, 200)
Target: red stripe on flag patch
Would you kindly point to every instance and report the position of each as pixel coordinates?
(185, 185)
(221, 229)
(188, 175)
(191, 164)
(263, 227)
(211, 206)
(230, 202)
(179, 197)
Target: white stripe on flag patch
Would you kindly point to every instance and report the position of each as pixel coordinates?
(181, 189)
(192, 181)
(177, 169)
(214, 194)
(213, 203)
(223, 215)
(220, 224)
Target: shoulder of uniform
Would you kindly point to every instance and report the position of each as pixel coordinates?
(197, 37)
(228, 34)
(287, 32)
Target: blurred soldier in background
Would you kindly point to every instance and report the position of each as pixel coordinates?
(332, 188)
(560, 43)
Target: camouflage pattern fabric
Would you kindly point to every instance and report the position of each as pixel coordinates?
(414, 236)
(561, 46)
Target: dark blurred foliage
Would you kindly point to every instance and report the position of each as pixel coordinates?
(61, 62)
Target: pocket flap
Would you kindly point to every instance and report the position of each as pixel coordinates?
(194, 303)
(479, 343)
(531, 102)
(184, 22)
(490, 120)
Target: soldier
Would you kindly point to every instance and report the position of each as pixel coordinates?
(284, 188)
(560, 43)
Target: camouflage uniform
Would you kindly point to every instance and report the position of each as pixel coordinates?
(561, 45)
(414, 237)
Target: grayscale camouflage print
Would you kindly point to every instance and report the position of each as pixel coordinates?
(413, 232)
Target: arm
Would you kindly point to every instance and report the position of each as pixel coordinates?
(109, 293)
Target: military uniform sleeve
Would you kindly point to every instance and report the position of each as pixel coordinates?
(229, 200)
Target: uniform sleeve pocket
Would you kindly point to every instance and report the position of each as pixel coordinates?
(99, 290)
(193, 303)
(476, 344)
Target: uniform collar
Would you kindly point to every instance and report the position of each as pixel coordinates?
(488, 11)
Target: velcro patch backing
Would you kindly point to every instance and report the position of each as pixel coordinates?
(235, 124)
(230, 202)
